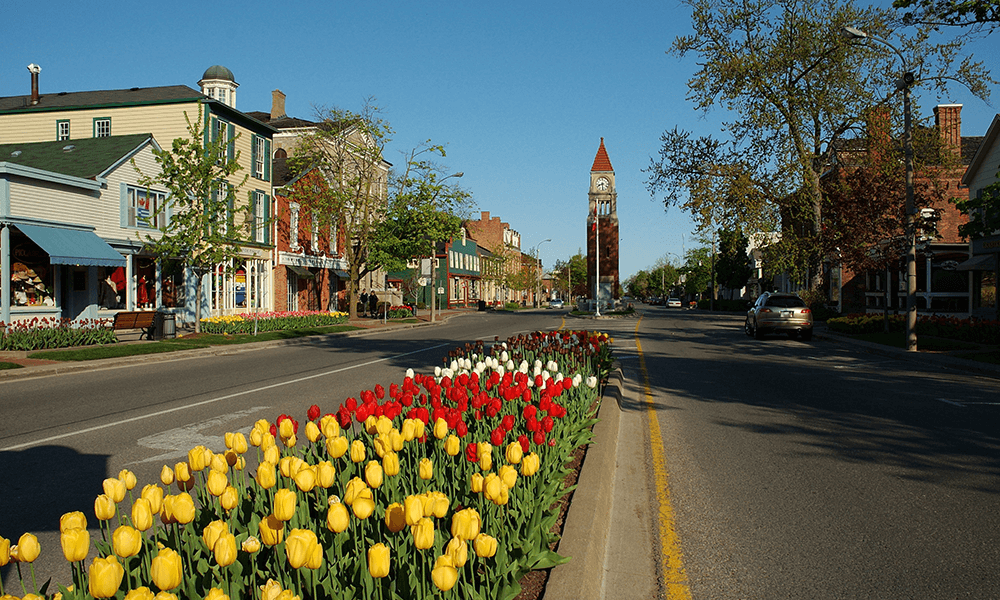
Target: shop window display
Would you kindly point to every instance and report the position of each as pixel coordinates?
(145, 282)
(30, 273)
(172, 281)
(111, 287)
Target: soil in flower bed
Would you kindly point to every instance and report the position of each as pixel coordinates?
(533, 584)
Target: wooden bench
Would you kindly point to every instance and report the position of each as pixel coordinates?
(139, 319)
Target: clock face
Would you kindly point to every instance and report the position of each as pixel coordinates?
(603, 184)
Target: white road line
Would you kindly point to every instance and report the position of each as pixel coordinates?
(210, 401)
(951, 403)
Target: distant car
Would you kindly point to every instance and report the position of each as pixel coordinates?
(556, 303)
(674, 302)
(779, 313)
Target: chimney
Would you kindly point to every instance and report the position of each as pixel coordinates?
(948, 118)
(277, 105)
(35, 70)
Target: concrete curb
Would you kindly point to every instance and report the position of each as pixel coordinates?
(588, 522)
(124, 361)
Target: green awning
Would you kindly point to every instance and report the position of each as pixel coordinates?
(302, 272)
(67, 246)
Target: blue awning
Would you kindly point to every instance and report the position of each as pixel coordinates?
(73, 246)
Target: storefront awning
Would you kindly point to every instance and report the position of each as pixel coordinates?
(342, 274)
(302, 272)
(73, 246)
(980, 262)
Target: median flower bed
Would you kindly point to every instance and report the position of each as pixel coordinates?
(441, 486)
(45, 333)
(981, 331)
(271, 321)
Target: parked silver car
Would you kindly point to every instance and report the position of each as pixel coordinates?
(556, 303)
(779, 313)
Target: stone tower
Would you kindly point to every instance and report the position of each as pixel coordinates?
(602, 228)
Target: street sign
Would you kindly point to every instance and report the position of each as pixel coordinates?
(422, 281)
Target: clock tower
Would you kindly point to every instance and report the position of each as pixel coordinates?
(602, 230)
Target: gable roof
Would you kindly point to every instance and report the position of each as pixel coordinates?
(601, 161)
(86, 158)
(983, 149)
(130, 97)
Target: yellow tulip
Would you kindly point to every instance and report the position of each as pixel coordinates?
(141, 593)
(224, 549)
(210, 535)
(315, 557)
(285, 465)
(414, 510)
(419, 431)
(312, 432)
(216, 594)
(75, 543)
(286, 429)
(104, 507)
(329, 426)
(337, 517)
(229, 498)
(270, 590)
(530, 464)
(438, 504)
(444, 574)
(465, 524)
(395, 517)
(272, 531)
(272, 455)
(354, 486)
(166, 475)
(440, 428)
(373, 474)
(241, 463)
(326, 474)
(423, 534)
(486, 546)
(395, 439)
(267, 442)
(220, 463)
(285, 503)
(154, 494)
(266, 477)
(409, 430)
(232, 458)
(476, 483)
(165, 596)
(105, 575)
(298, 546)
(495, 490)
(382, 445)
(237, 442)
(182, 476)
(197, 460)
(72, 520)
(142, 514)
(4, 551)
(250, 545)
(290, 442)
(485, 452)
(508, 475)
(357, 451)
(383, 424)
(426, 469)
(305, 479)
(514, 453)
(114, 489)
(216, 482)
(256, 435)
(458, 550)
(336, 446)
(127, 478)
(166, 570)
(452, 445)
(390, 464)
(379, 558)
(181, 507)
(370, 425)
(364, 504)
(126, 541)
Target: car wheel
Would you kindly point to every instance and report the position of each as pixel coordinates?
(747, 328)
(805, 336)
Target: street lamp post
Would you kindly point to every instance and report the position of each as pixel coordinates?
(538, 277)
(434, 256)
(903, 84)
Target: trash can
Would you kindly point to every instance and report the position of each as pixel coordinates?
(482, 305)
(169, 328)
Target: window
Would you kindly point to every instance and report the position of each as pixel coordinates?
(293, 227)
(333, 236)
(102, 127)
(145, 208)
(261, 157)
(62, 131)
(314, 235)
(261, 206)
(227, 131)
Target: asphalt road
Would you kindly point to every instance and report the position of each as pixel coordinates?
(60, 436)
(814, 470)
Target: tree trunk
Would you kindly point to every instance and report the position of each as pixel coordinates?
(197, 302)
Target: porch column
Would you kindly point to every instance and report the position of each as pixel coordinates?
(5, 274)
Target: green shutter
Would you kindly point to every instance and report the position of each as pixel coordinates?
(253, 154)
(267, 219)
(230, 144)
(267, 160)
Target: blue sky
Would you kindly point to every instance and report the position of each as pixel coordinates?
(520, 92)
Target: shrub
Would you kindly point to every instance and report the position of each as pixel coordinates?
(271, 321)
(45, 333)
(981, 331)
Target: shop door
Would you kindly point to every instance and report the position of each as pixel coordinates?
(75, 291)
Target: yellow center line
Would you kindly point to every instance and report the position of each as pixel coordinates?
(674, 577)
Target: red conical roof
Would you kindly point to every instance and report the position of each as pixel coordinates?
(601, 161)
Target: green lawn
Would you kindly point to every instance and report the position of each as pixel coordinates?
(202, 340)
(987, 354)
(7, 365)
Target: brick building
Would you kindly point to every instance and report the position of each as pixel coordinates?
(602, 228)
(504, 246)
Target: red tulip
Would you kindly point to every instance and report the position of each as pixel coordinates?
(313, 413)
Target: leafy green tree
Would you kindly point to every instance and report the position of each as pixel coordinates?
(795, 87)
(697, 271)
(961, 13)
(732, 265)
(984, 212)
(571, 276)
(207, 225)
